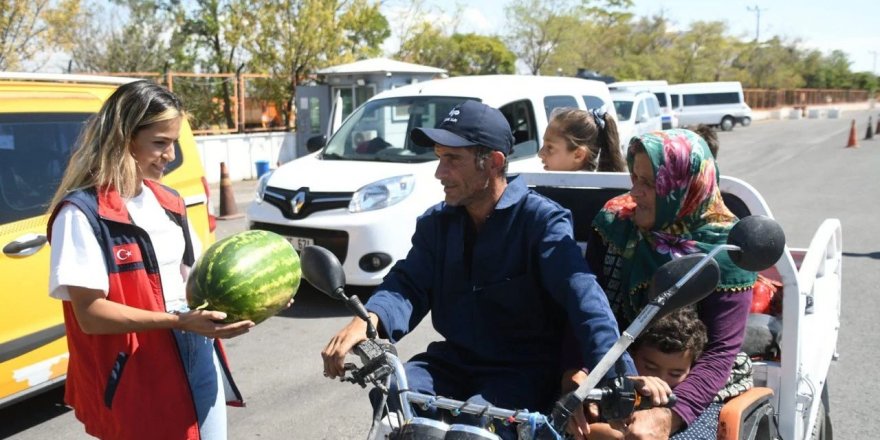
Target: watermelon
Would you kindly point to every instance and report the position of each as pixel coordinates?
(250, 275)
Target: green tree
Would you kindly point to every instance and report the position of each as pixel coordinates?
(811, 66)
(290, 39)
(538, 27)
(649, 44)
(426, 44)
(209, 37)
(866, 81)
(133, 39)
(773, 64)
(835, 69)
(695, 56)
(480, 55)
(29, 27)
(460, 54)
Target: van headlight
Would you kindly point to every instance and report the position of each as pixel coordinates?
(382, 194)
(261, 185)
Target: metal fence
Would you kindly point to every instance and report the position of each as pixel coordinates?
(775, 98)
(250, 109)
(221, 103)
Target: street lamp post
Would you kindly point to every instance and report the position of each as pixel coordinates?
(757, 10)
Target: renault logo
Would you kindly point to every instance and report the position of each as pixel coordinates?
(299, 199)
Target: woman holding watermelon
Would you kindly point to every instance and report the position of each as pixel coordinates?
(141, 364)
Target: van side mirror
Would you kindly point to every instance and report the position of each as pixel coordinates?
(315, 143)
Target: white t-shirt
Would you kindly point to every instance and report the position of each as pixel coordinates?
(77, 258)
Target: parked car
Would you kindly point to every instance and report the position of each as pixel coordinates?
(660, 89)
(41, 117)
(360, 195)
(637, 113)
(719, 104)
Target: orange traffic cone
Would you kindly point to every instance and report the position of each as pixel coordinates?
(852, 142)
(870, 134)
(228, 208)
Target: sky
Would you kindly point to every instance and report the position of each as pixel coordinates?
(852, 26)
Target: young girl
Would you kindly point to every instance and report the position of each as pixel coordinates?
(142, 366)
(578, 140)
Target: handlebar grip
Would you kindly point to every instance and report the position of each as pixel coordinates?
(646, 403)
(367, 350)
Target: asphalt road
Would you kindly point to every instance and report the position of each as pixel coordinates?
(800, 167)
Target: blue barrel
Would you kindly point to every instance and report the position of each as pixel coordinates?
(262, 167)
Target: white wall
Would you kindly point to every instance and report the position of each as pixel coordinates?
(240, 152)
(823, 109)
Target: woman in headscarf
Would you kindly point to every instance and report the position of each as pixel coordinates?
(675, 208)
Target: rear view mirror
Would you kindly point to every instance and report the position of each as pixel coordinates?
(699, 286)
(315, 143)
(322, 269)
(761, 242)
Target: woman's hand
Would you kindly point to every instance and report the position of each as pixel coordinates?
(654, 387)
(206, 323)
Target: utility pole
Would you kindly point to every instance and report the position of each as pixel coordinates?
(874, 69)
(757, 10)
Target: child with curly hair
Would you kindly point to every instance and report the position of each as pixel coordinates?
(667, 349)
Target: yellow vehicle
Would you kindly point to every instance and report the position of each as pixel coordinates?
(41, 116)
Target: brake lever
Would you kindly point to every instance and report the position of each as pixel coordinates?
(620, 399)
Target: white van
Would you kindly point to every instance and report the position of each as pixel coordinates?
(637, 113)
(660, 89)
(712, 103)
(360, 195)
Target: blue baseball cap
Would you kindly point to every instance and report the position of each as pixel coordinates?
(469, 124)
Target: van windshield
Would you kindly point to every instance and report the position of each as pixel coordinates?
(624, 109)
(379, 130)
(661, 98)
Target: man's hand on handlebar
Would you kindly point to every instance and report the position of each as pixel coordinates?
(578, 425)
(653, 388)
(652, 424)
(342, 343)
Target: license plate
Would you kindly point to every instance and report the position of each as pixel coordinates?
(300, 242)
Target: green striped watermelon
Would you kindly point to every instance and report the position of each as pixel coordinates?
(250, 275)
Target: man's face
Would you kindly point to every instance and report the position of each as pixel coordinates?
(463, 182)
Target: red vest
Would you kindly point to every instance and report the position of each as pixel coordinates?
(131, 385)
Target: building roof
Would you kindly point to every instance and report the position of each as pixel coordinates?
(374, 65)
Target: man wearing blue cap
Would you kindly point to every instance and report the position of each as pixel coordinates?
(497, 266)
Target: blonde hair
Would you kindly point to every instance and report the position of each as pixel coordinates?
(102, 158)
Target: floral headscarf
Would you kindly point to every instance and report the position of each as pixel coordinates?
(690, 217)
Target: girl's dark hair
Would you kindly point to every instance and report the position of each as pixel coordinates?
(708, 135)
(579, 129)
(676, 332)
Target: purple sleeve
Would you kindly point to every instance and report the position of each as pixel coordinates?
(725, 315)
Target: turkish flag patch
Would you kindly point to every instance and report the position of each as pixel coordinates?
(127, 254)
